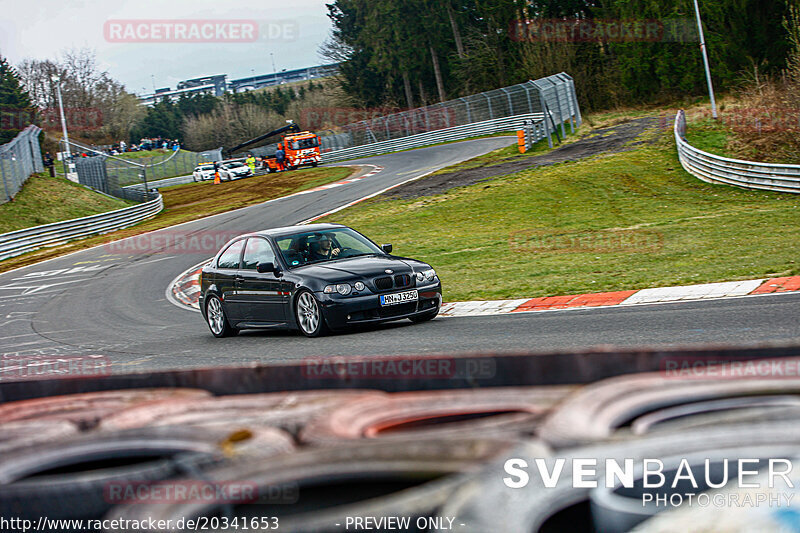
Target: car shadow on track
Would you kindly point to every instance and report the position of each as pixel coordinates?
(367, 328)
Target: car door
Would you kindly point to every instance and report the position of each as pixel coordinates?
(225, 276)
(260, 295)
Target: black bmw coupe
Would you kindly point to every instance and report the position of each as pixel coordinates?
(313, 278)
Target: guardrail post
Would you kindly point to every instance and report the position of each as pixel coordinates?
(547, 132)
(469, 115)
(560, 112)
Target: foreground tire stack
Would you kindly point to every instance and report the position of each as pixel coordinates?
(316, 459)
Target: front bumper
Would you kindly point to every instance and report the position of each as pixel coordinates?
(343, 311)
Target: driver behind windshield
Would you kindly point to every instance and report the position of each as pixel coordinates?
(322, 249)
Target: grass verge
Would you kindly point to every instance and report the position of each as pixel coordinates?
(44, 200)
(629, 220)
(183, 203)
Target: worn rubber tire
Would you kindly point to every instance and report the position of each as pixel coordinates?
(507, 410)
(29, 432)
(31, 485)
(484, 503)
(87, 410)
(286, 410)
(596, 412)
(332, 482)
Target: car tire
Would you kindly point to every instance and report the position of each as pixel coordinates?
(218, 323)
(499, 412)
(314, 164)
(308, 314)
(424, 318)
(405, 479)
(611, 408)
(87, 410)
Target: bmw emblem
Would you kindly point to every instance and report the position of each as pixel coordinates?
(389, 271)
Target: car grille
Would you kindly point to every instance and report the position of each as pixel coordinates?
(400, 281)
(383, 284)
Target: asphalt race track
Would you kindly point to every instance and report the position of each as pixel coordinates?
(102, 301)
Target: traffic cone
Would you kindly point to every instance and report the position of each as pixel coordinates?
(216, 178)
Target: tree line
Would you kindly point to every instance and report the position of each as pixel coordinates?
(416, 52)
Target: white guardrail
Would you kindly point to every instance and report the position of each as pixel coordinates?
(748, 174)
(456, 133)
(29, 239)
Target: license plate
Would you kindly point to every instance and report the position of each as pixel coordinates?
(399, 298)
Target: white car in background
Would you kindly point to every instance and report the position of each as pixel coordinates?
(234, 170)
(203, 172)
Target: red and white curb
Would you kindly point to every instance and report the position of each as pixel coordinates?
(375, 170)
(184, 291)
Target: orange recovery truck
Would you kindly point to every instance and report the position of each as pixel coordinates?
(301, 148)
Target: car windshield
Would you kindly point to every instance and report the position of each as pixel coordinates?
(327, 245)
(302, 144)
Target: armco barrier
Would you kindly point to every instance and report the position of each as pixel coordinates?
(444, 135)
(547, 105)
(748, 174)
(29, 239)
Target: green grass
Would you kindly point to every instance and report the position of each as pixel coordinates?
(508, 153)
(145, 154)
(43, 200)
(703, 232)
(183, 203)
(708, 135)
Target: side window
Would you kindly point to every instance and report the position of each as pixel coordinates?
(230, 257)
(257, 251)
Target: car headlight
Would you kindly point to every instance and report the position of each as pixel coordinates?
(360, 286)
(342, 288)
(426, 275)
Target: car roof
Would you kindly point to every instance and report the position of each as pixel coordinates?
(289, 230)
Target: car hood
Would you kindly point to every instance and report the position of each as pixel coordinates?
(366, 266)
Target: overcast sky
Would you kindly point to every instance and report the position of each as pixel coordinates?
(292, 30)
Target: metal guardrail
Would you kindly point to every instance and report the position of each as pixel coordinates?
(748, 174)
(26, 240)
(550, 103)
(434, 137)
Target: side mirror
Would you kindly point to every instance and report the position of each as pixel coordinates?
(263, 268)
(386, 248)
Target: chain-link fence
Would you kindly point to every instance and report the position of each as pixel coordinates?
(19, 158)
(550, 100)
(129, 178)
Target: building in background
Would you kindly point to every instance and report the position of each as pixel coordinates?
(219, 84)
